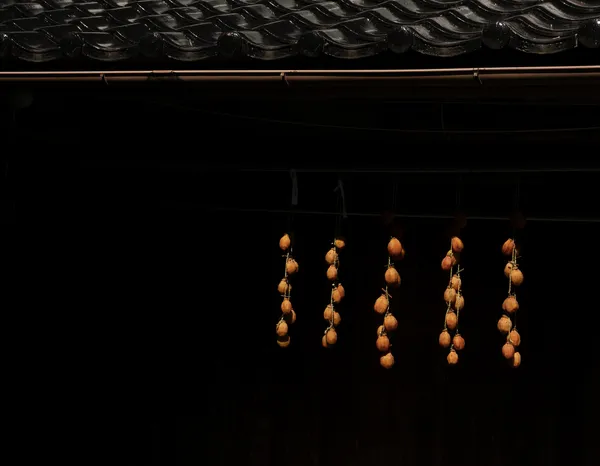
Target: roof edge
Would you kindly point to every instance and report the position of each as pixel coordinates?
(287, 77)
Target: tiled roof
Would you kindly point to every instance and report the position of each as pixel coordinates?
(193, 30)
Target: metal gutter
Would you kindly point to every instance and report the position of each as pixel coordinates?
(290, 77)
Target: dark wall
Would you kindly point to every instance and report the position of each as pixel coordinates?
(308, 405)
(182, 303)
(195, 122)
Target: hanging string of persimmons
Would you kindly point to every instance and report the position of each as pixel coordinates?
(508, 322)
(288, 315)
(454, 302)
(383, 303)
(331, 313)
(450, 338)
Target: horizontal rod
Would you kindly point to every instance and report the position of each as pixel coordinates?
(369, 214)
(416, 171)
(149, 164)
(288, 77)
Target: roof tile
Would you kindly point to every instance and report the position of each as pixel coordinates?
(192, 30)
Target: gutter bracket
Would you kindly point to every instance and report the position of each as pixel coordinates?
(162, 76)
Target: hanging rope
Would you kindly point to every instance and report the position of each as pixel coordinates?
(459, 188)
(517, 204)
(341, 207)
(340, 190)
(294, 187)
(293, 203)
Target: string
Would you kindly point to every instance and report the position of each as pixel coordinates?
(516, 205)
(338, 218)
(459, 192)
(294, 177)
(341, 207)
(293, 204)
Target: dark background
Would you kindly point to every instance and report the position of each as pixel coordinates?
(269, 123)
(173, 262)
(184, 306)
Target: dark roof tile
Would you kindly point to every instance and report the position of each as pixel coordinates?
(190, 30)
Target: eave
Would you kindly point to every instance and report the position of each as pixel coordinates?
(572, 82)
